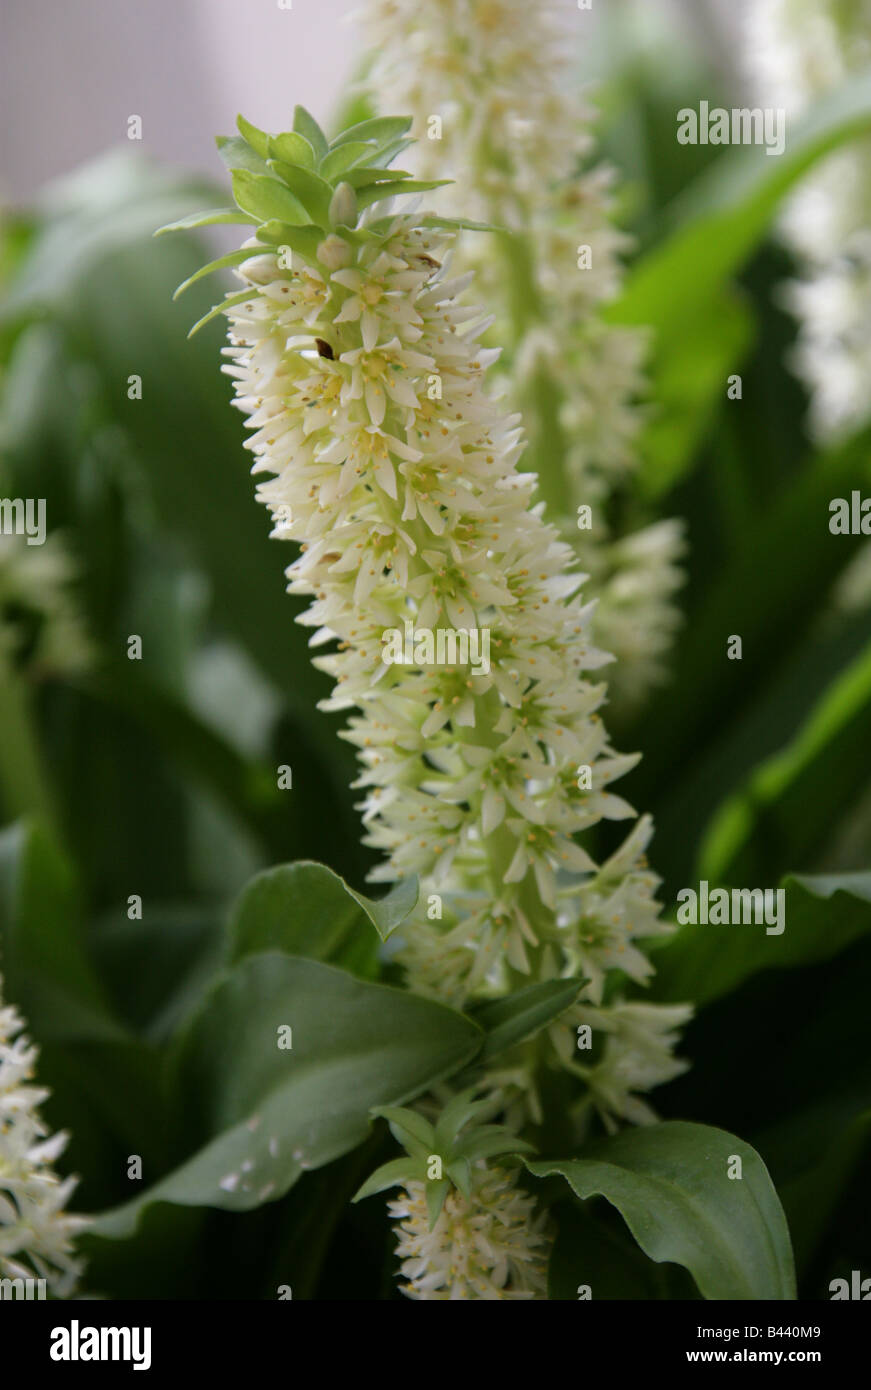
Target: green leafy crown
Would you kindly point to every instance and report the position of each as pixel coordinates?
(297, 189)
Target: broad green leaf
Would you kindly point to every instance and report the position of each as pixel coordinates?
(822, 915)
(275, 1113)
(238, 154)
(267, 198)
(292, 148)
(592, 1249)
(257, 139)
(521, 1015)
(305, 909)
(670, 1184)
(305, 124)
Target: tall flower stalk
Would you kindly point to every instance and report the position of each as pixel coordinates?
(490, 87)
(797, 51)
(360, 371)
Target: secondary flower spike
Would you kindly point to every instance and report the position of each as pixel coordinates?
(492, 88)
(36, 1234)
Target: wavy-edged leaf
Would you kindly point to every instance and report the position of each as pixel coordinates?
(304, 909)
(670, 1184)
(823, 914)
(275, 1113)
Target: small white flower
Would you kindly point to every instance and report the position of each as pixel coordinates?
(514, 134)
(36, 1234)
(797, 51)
(490, 1245)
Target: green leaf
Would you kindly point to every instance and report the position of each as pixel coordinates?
(811, 1199)
(374, 192)
(340, 160)
(521, 1015)
(89, 1060)
(227, 303)
(292, 148)
(238, 154)
(222, 263)
(489, 1141)
(303, 240)
(459, 224)
(387, 153)
(43, 956)
(383, 130)
(309, 192)
(393, 1174)
(459, 1110)
(275, 1113)
(670, 1184)
(257, 139)
(369, 174)
(791, 800)
(822, 915)
(305, 909)
(306, 125)
(267, 198)
(206, 219)
(436, 1192)
(717, 225)
(408, 1128)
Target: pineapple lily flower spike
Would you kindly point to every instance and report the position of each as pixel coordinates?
(463, 647)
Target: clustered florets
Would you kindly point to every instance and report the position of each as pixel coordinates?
(797, 52)
(36, 1233)
(360, 369)
(513, 135)
(407, 504)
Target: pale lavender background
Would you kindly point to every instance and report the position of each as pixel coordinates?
(72, 71)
